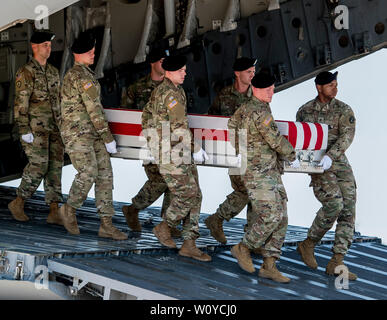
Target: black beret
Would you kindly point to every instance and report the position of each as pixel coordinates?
(325, 77)
(262, 80)
(174, 63)
(42, 36)
(84, 43)
(156, 54)
(242, 64)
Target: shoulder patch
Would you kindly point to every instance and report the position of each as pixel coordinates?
(172, 104)
(268, 120)
(87, 85)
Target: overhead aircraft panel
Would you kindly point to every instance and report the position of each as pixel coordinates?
(18, 11)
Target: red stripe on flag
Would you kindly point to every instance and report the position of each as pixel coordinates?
(131, 129)
(320, 136)
(210, 134)
(292, 134)
(126, 129)
(307, 135)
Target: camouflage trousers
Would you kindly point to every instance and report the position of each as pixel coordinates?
(336, 190)
(45, 161)
(92, 162)
(235, 201)
(186, 198)
(269, 219)
(153, 188)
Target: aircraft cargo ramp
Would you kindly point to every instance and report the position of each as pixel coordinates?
(86, 266)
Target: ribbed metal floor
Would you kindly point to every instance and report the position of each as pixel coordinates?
(142, 262)
(37, 237)
(183, 278)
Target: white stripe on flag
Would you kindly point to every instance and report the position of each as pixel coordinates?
(325, 136)
(313, 138)
(300, 136)
(283, 127)
(123, 116)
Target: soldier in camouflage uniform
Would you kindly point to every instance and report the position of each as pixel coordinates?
(262, 179)
(226, 103)
(88, 141)
(138, 95)
(336, 187)
(166, 113)
(37, 114)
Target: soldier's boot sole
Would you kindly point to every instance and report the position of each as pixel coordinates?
(245, 265)
(117, 235)
(17, 212)
(201, 256)
(69, 221)
(217, 234)
(273, 275)
(306, 257)
(131, 217)
(54, 220)
(168, 242)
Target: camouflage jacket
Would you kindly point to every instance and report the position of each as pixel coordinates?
(264, 141)
(139, 92)
(82, 111)
(228, 101)
(340, 120)
(168, 104)
(37, 98)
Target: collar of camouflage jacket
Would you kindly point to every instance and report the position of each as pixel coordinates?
(84, 66)
(150, 82)
(170, 84)
(260, 103)
(38, 65)
(248, 94)
(324, 107)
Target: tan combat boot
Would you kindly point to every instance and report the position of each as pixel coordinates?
(337, 260)
(269, 270)
(107, 230)
(69, 219)
(53, 216)
(17, 209)
(258, 251)
(131, 216)
(215, 224)
(306, 250)
(175, 232)
(163, 234)
(189, 249)
(242, 254)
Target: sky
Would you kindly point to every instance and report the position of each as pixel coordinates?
(362, 85)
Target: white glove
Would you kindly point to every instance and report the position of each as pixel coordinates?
(29, 137)
(295, 164)
(111, 147)
(149, 159)
(326, 162)
(200, 156)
